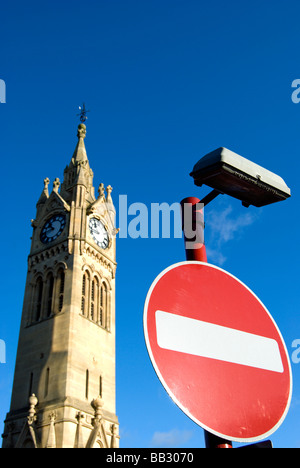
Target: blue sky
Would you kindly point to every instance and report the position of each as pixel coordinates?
(166, 82)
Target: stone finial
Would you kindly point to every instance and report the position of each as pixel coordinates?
(45, 193)
(78, 436)
(114, 436)
(109, 202)
(46, 183)
(79, 416)
(81, 133)
(52, 416)
(97, 404)
(56, 184)
(33, 401)
(109, 189)
(101, 191)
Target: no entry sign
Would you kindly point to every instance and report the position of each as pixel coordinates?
(217, 351)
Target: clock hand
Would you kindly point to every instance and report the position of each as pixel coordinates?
(51, 228)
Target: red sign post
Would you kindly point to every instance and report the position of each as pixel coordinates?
(217, 351)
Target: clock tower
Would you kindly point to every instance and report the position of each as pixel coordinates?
(64, 384)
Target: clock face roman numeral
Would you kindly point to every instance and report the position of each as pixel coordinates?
(99, 233)
(53, 228)
(105, 242)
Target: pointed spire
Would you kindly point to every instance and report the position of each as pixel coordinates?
(101, 190)
(78, 172)
(51, 442)
(98, 432)
(45, 193)
(78, 436)
(41, 202)
(110, 205)
(80, 151)
(108, 191)
(114, 436)
(56, 184)
(28, 428)
(100, 204)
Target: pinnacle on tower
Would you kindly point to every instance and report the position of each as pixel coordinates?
(80, 151)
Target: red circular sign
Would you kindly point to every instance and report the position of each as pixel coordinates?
(217, 351)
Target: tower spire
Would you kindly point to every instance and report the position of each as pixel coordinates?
(78, 172)
(80, 151)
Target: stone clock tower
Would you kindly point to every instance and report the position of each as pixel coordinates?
(64, 384)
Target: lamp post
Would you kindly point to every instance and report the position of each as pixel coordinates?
(226, 173)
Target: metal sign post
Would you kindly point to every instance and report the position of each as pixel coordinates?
(195, 250)
(226, 313)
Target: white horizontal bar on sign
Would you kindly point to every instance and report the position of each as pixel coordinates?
(190, 336)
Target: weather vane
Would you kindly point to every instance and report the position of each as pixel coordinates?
(83, 113)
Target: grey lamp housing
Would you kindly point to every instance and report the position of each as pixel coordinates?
(231, 174)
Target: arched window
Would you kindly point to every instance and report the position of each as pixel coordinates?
(85, 294)
(47, 382)
(92, 312)
(49, 286)
(103, 305)
(108, 309)
(94, 300)
(100, 386)
(60, 286)
(87, 384)
(38, 298)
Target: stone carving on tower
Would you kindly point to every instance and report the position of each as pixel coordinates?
(64, 384)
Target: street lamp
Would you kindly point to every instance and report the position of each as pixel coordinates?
(228, 173)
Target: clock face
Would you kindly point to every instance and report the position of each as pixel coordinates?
(53, 228)
(99, 233)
